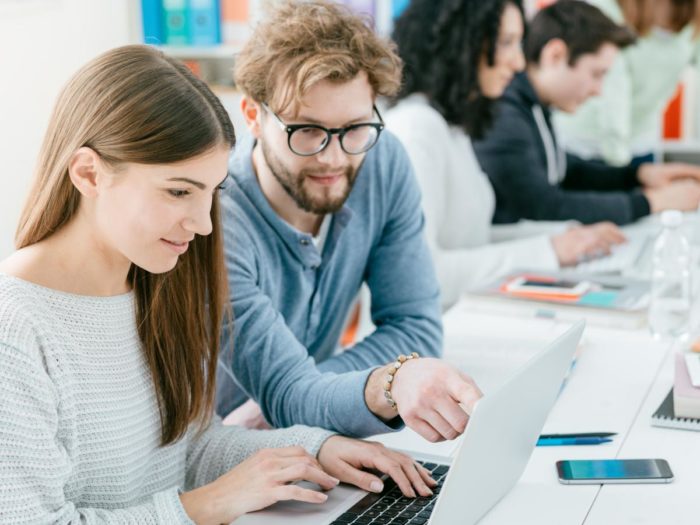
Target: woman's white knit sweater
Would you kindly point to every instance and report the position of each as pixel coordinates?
(79, 421)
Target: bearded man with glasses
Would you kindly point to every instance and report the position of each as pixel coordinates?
(323, 200)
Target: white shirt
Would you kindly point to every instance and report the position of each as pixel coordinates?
(458, 202)
(319, 239)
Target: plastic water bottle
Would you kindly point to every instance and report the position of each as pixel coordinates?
(669, 310)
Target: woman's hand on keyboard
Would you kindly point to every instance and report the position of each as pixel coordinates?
(347, 459)
(266, 477)
(586, 242)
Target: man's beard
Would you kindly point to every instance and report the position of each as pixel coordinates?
(294, 185)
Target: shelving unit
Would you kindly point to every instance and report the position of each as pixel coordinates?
(217, 61)
(205, 53)
(214, 64)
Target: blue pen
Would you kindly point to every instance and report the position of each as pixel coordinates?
(555, 442)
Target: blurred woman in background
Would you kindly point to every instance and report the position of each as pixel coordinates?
(459, 57)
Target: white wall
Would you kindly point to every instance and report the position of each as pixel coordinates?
(42, 42)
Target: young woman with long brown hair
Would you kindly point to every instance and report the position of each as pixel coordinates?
(110, 311)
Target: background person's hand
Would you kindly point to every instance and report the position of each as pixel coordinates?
(258, 482)
(586, 242)
(247, 415)
(682, 195)
(346, 459)
(433, 398)
(652, 175)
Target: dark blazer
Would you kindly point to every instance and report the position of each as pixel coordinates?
(528, 185)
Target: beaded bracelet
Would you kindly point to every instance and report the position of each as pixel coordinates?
(393, 368)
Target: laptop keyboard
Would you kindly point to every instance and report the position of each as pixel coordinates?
(628, 256)
(392, 507)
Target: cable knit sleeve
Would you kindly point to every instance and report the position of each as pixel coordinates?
(220, 448)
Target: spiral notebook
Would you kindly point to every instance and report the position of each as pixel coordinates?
(665, 417)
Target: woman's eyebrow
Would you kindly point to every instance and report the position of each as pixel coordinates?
(190, 181)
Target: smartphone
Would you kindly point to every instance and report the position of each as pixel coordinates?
(547, 286)
(598, 471)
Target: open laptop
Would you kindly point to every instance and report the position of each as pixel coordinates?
(496, 446)
(634, 256)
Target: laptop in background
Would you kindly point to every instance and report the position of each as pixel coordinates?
(680, 153)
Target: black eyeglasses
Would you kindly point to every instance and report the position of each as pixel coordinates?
(309, 139)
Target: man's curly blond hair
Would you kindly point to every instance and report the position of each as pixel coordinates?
(300, 43)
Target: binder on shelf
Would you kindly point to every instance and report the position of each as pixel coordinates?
(666, 417)
(237, 20)
(398, 7)
(152, 22)
(175, 22)
(204, 22)
(385, 13)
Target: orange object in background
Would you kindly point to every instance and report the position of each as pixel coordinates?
(695, 347)
(235, 21)
(673, 116)
(543, 3)
(194, 66)
(235, 10)
(349, 336)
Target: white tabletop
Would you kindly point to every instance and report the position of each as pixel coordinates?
(609, 384)
(619, 379)
(675, 503)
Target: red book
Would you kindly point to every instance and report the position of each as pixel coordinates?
(673, 116)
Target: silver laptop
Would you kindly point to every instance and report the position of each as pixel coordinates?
(634, 257)
(495, 449)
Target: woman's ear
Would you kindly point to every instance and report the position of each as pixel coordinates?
(252, 113)
(83, 171)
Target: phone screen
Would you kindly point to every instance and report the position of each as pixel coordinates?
(614, 469)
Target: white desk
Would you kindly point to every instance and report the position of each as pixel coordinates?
(675, 503)
(620, 378)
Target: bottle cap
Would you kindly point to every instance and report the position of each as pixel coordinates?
(671, 218)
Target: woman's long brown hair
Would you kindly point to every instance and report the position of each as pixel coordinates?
(134, 104)
(640, 16)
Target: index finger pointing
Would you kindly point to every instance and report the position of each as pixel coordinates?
(463, 389)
